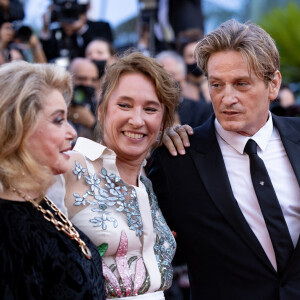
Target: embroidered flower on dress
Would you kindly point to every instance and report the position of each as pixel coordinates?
(127, 285)
(107, 191)
(78, 170)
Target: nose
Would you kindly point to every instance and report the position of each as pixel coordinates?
(70, 132)
(136, 119)
(229, 96)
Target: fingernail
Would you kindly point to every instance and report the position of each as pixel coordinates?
(186, 144)
(174, 153)
(182, 152)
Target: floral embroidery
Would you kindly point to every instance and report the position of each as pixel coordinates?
(78, 170)
(165, 246)
(102, 248)
(109, 191)
(127, 285)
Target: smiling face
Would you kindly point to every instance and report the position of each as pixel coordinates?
(52, 135)
(240, 100)
(134, 117)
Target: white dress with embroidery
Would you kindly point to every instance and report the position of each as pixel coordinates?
(125, 223)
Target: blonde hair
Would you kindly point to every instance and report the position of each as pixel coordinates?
(254, 43)
(23, 89)
(166, 88)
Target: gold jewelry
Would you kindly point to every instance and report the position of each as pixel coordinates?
(64, 225)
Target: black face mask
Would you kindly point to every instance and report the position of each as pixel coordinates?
(83, 95)
(101, 64)
(178, 84)
(194, 70)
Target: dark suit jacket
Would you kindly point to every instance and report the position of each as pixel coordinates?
(225, 259)
(194, 113)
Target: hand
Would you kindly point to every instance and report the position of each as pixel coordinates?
(177, 138)
(34, 41)
(81, 115)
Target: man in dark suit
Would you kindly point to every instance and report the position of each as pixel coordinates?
(207, 196)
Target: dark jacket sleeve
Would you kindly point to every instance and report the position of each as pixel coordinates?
(161, 185)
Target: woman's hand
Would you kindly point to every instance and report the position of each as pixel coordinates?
(177, 138)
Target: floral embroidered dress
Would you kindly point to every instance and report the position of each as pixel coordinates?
(124, 222)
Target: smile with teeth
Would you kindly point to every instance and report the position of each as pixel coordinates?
(133, 135)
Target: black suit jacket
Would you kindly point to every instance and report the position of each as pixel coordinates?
(224, 258)
(194, 113)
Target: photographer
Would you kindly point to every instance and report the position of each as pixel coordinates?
(66, 31)
(83, 105)
(10, 10)
(16, 36)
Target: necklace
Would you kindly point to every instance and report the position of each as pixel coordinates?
(63, 225)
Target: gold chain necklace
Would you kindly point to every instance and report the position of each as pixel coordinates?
(64, 225)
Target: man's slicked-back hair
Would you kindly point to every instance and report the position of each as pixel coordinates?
(253, 42)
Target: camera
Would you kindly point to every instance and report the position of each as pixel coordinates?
(22, 32)
(82, 95)
(68, 11)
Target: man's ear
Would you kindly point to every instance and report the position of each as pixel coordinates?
(274, 86)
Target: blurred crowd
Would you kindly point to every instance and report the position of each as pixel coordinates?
(65, 36)
(69, 39)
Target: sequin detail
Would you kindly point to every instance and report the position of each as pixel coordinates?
(107, 191)
(165, 245)
(122, 264)
(127, 285)
(102, 248)
(140, 276)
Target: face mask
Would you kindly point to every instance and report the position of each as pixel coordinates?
(178, 84)
(194, 70)
(82, 95)
(101, 64)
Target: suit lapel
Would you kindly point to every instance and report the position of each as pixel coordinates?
(290, 138)
(210, 165)
(291, 141)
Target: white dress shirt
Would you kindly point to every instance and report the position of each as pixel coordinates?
(270, 149)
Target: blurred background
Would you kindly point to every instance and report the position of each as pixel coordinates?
(86, 36)
(130, 19)
(154, 25)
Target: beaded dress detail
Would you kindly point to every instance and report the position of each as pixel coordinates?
(124, 222)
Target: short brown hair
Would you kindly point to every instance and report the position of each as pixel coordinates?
(23, 89)
(166, 88)
(254, 43)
